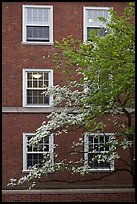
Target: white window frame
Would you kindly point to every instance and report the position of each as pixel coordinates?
(85, 8)
(50, 72)
(24, 24)
(51, 150)
(86, 151)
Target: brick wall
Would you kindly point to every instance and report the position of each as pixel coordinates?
(81, 195)
(15, 57)
(14, 125)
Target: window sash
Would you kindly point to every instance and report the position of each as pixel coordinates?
(95, 164)
(37, 21)
(33, 157)
(36, 97)
(37, 16)
(37, 33)
(97, 30)
(34, 94)
(90, 19)
(92, 16)
(34, 87)
(90, 153)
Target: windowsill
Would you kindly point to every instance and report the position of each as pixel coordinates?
(25, 171)
(36, 106)
(35, 109)
(37, 43)
(90, 170)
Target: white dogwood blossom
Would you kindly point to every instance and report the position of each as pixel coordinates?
(126, 144)
(58, 123)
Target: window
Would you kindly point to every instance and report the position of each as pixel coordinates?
(34, 154)
(91, 21)
(37, 24)
(96, 144)
(33, 87)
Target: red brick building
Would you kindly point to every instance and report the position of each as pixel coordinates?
(29, 30)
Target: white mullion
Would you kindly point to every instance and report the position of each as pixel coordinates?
(104, 142)
(24, 152)
(32, 14)
(43, 87)
(24, 24)
(37, 83)
(86, 149)
(37, 98)
(51, 150)
(38, 24)
(103, 13)
(36, 88)
(50, 17)
(43, 144)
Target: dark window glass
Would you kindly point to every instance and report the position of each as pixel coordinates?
(33, 159)
(97, 146)
(36, 97)
(38, 33)
(98, 31)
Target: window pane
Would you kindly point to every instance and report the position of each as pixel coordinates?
(34, 83)
(33, 159)
(38, 33)
(97, 146)
(41, 100)
(106, 138)
(46, 83)
(35, 87)
(35, 153)
(29, 76)
(46, 148)
(29, 84)
(29, 148)
(93, 17)
(29, 160)
(36, 97)
(92, 164)
(91, 139)
(41, 83)
(38, 147)
(29, 96)
(37, 15)
(46, 140)
(46, 76)
(46, 100)
(29, 14)
(101, 139)
(97, 31)
(95, 139)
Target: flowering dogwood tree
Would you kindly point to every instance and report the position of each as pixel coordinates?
(105, 68)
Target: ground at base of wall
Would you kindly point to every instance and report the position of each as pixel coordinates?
(70, 195)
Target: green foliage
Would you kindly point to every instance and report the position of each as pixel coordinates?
(107, 64)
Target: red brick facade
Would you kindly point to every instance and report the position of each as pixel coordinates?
(67, 20)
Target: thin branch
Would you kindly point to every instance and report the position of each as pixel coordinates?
(93, 179)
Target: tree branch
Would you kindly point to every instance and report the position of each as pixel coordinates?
(93, 179)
